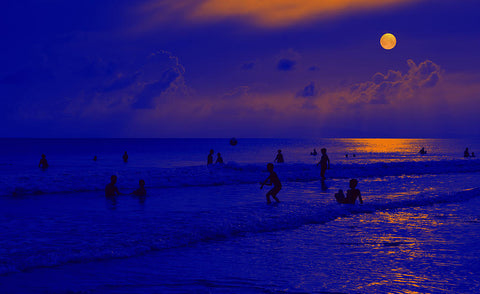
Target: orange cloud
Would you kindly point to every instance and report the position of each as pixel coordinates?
(266, 13)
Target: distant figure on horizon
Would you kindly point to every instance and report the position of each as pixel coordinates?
(272, 179)
(95, 158)
(422, 151)
(314, 153)
(141, 189)
(352, 194)
(354, 155)
(279, 158)
(324, 163)
(210, 157)
(346, 155)
(43, 162)
(466, 153)
(125, 157)
(473, 154)
(111, 190)
(219, 159)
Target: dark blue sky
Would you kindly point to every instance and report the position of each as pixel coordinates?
(206, 69)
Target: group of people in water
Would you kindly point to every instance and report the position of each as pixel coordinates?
(273, 179)
(466, 153)
(111, 191)
(210, 158)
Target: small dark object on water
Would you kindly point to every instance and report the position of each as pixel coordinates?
(233, 141)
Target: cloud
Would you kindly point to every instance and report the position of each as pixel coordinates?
(385, 88)
(122, 82)
(161, 76)
(146, 98)
(308, 91)
(285, 64)
(156, 80)
(271, 13)
(237, 93)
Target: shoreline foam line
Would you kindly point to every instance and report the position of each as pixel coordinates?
(213, 227)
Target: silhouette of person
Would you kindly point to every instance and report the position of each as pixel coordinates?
(272, 179)
(279, 158)
(314, 153)
(422, 151)
(141, 189)
(210, 157)
(324, 163)
(95, 158)
(352, 194)
(473, 154)
(466, 153)
(353, 155)
(219, 159)
(346, 155)
(125, 157)
(43, 162)
(111, 190)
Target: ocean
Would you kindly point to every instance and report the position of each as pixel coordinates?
(209, 230)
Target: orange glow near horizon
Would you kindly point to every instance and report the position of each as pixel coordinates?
(385, 145)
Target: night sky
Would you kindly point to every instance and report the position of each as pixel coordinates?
(251, 68)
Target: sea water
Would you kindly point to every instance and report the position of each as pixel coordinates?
(209, 230)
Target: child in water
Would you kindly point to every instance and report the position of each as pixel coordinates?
(352, 194)
(141, 189)
(272, 180)
(43, 162)
(279, 158)
(219, 159)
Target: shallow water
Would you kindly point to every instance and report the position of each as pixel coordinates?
(416, 233)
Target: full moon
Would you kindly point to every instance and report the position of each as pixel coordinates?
(388, 41)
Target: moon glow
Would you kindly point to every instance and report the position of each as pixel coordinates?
(388, 41)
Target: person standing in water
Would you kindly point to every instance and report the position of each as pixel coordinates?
(279, 158)
(272, 180)
(111, 190)
(125, 157)
(324, 163)
(219, 159)
(466, 153)
(43, 162)
(210, 157)
(352, 194)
